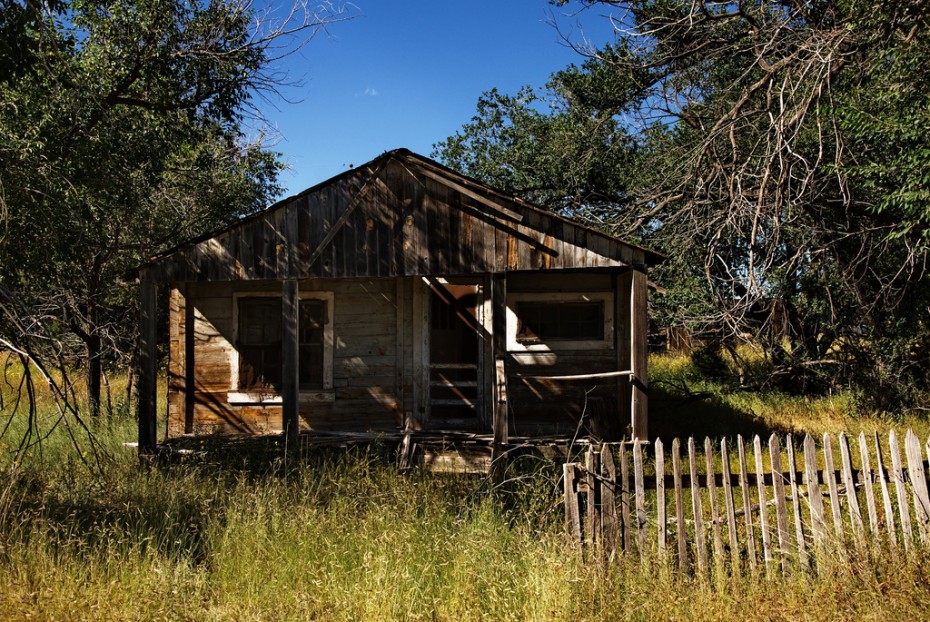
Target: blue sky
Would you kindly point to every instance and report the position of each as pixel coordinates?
(408, 74)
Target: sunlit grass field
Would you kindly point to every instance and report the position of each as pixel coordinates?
(242, 533)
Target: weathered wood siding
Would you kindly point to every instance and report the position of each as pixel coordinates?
(366, 394)
(542, 406)
(395, 218)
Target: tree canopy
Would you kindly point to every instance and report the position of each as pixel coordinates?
(125, 126)
(778, 150)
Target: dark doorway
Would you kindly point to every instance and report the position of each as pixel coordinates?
(453, 356)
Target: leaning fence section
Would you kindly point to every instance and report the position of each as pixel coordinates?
(753, 506)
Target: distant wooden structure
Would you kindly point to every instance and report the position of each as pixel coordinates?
(400, 297)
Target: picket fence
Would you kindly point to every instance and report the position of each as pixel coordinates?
(767, 518)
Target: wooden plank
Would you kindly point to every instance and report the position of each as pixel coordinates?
(796, 503)
(697, 509)
(730, 507)
(592, 515)
(812, 481)
(638, 355)
(712, 499)
(190, 363)
(915, 468)
(897, 475)
(661, 517)
(886, 495)
(747, 505)
(679, 508)
(640, 498)
(400, 343)
(336, 227)
(763, 502)
(781, 509)
(501, 423)
(608, 503)
(622, 285)
(420, 370)
(852, 501)
(148, 372)
(865, 480)
(625, 498)
(829, 474)
(572, 508)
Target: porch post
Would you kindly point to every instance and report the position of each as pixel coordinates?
(639, 352)
(623, 321)
(500, 412)
(147, 367)
(290, 353)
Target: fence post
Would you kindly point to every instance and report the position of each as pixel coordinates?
(572, 507)
(915, 468)
(640, 498)
(731, 509)
(712, 498)
(679, 507)
(608, 503)
(796, 503)
(698, 510)
(886, 494)
(592, 518)
(898, 475)
(747, 505)
(781, 510)
(661, 519)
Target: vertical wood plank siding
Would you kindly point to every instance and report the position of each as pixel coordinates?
(405, 224)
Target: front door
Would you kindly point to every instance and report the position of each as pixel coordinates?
(454, 356)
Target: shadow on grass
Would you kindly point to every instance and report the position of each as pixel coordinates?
(675, 414)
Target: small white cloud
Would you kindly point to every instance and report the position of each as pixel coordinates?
(371, 92)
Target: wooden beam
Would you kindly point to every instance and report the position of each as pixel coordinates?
(189, 363)
(595, 376)
(622, 285)
(513, 215)
(638, 352)
(290, 312)
(147, 365)
(501, 418)
(290, 359)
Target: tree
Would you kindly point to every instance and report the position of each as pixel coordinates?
(780, 156)
(123, 130)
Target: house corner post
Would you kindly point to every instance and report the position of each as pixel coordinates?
(639, 324)
(146, 407)
(290, 352)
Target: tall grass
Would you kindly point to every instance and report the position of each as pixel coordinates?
(233, 535)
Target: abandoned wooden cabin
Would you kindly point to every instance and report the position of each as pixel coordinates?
(397, 297)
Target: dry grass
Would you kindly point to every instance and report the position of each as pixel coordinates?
(345, 537)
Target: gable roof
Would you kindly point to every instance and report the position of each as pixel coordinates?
(400, 214)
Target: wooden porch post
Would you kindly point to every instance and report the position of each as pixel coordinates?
(623, 284)
(500, 413)
(147, 366)
(290, 352)
(639, 352)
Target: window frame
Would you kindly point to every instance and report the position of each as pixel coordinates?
(606, 298)
(238, 396)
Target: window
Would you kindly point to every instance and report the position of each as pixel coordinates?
(259, 344)
(565, 321)
(257, 362)
(543, 321)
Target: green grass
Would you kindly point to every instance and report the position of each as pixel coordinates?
(343, 536)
